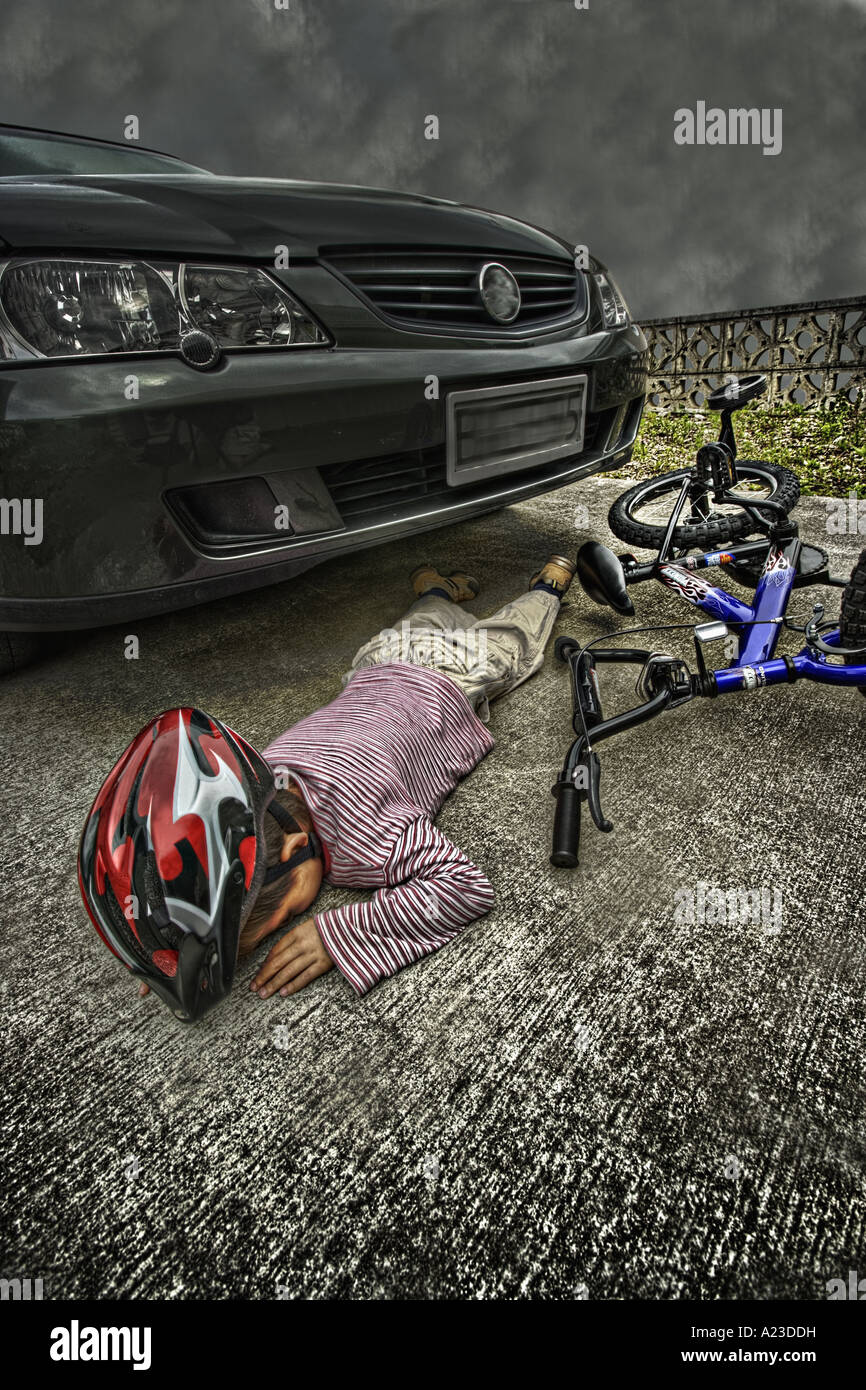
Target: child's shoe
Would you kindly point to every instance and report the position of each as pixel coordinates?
(458, 586)
(555, 576)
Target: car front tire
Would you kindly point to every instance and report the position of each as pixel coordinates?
(18, 649)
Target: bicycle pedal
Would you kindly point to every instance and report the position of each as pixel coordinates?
(661, 670)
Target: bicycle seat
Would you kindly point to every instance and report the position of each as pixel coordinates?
(735, 394)
(601, 577)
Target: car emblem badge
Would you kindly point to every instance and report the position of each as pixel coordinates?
(500, 292)
(199, 349)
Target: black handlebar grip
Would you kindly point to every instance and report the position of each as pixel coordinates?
(566, 826)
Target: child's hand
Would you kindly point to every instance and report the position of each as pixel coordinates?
(143, 989)
(297, 958)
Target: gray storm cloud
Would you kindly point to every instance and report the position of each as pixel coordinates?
(560, 116)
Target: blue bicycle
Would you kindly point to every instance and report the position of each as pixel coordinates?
(717, 503)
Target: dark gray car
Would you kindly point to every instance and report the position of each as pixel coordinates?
(209, 384)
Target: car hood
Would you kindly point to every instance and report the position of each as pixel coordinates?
(189, 215)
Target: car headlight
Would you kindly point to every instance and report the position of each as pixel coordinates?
(613, 306)
(80, 308)
(67, 308)
(244, 308)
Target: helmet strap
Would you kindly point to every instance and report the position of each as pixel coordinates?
(311, 850)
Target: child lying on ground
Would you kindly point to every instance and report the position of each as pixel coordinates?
(358, 785)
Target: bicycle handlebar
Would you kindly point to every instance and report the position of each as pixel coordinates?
(590, 724)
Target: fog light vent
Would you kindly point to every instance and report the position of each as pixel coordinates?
(227, 514)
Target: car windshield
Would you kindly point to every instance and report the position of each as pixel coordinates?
(34, 153)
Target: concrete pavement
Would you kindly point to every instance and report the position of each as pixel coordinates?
(585, 1095)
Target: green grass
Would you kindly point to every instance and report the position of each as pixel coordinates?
(825, 447)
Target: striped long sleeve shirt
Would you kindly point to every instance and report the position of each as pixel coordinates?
(374, 767)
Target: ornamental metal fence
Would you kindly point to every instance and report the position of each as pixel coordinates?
(812, 354)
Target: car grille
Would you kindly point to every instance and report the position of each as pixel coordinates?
(439, 288)
(401, 485)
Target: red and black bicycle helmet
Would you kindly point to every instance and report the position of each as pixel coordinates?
(172, 855)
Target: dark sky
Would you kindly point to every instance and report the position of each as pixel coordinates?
(559, 116)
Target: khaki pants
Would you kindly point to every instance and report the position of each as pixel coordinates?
(484, 657)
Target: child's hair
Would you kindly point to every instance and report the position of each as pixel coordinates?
(271, 894)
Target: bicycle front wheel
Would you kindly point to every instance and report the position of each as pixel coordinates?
(640, 516)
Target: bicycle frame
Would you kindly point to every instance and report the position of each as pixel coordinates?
(755, 666)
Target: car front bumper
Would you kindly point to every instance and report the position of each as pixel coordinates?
(128, 458)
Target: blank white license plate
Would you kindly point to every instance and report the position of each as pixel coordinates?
(500, 429)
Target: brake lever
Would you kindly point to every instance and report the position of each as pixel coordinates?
(593, 796)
